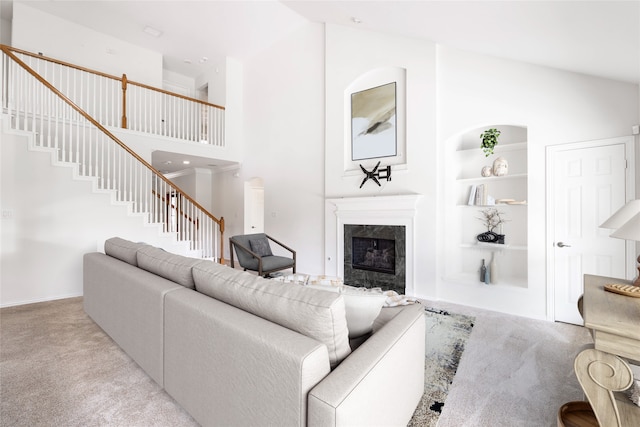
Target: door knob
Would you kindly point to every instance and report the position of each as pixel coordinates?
(562, 245)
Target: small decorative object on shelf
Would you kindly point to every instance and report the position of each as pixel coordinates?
(500, 166)
(490, 237)
(487, 171)
(483, 271)
(487, 275)
(492, 218)
(489, 140)
(493, 267)
(384, 173)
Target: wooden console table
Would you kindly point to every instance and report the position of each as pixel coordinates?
(615, 322)
(614, 319)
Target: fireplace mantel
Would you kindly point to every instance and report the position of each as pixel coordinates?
(377, 210)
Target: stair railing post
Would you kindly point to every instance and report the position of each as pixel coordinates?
(124, 101)
(222, 260)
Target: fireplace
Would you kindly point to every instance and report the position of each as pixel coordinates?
(374, 256)
(396, 211)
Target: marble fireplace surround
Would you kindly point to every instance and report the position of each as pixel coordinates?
(376, 210)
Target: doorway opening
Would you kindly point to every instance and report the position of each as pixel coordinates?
(254, 206)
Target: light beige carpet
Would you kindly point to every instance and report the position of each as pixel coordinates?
(58, 368)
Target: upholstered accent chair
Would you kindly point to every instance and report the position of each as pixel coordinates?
(254, 253)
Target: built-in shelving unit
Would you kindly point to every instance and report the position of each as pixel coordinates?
(464, 170)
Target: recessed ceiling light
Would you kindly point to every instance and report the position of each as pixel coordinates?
(185, 162)
(168, 162)
(152, 31)
(356, 20)
(203, 60)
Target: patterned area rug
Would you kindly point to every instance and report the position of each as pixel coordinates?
(446, 336)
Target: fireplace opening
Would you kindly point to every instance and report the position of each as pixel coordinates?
(374, 254)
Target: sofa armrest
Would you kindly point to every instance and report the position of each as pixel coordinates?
(228, 367)
(380, 383)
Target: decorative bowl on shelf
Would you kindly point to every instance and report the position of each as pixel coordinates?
(491, 237)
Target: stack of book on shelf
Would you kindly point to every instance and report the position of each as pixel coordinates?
(479, 196)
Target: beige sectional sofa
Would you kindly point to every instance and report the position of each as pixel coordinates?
(235, 349)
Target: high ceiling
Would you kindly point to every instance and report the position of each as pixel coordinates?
(599, 38)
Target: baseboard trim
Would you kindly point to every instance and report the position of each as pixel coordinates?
(37, 300)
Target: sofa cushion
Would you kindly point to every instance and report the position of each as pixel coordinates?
(176, 268)
(318, 315)
(122, 249)
(362, 307)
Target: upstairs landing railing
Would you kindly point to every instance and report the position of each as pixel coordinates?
(58, 123)
(118, 102)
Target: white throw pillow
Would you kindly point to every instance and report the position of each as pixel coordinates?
(362, 307)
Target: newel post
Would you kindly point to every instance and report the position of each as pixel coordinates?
(222, 260)
(124, 101)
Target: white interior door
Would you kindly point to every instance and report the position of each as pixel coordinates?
(588, 184)
(253, 207)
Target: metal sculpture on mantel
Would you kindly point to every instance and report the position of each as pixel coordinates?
(384, 173)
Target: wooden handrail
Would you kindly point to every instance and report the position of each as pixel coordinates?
(168, 203)
(8, 51)
(5, 48)
(176, 95)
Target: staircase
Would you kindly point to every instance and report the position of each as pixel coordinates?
(142, 205)
(63, 182)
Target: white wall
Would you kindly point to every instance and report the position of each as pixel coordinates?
(177, 83)
(234, 103)
(196, 182)
(351, 54)
(228, 197)
(284, 139)
(557, 107)
(471, 91)
(5, 31)
(215, 79)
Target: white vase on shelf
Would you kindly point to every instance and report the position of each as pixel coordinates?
(493, 268)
